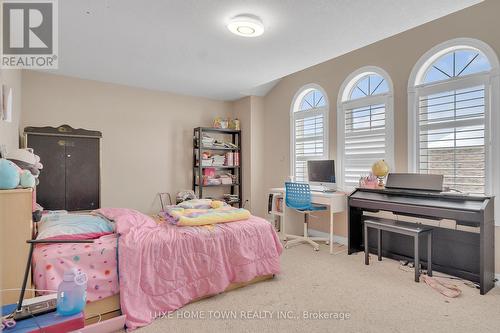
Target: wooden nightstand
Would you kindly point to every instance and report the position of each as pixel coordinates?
(15, 229)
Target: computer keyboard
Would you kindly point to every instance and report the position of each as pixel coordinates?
(323, 191)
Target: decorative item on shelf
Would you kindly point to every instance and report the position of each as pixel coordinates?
(380, 170)
(234, 124)
(221, 123)
(216, 123)
(369, 181)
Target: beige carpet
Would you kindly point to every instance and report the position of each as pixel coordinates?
(378, 298)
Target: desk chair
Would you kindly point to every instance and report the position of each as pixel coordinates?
(298, 197)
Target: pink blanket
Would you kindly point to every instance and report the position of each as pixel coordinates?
(163, 267)
(97, 260)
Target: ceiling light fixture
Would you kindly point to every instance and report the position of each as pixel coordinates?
(246, 26)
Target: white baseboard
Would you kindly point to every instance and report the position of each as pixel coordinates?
(336, 239)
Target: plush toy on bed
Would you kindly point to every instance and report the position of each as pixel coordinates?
(27, 180)
(26, 159)
(11, 176)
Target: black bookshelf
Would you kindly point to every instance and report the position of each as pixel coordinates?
(199, 148)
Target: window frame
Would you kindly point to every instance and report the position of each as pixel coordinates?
(345, 103)
(296, 114)
(491, 82)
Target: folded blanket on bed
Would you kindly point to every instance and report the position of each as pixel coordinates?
(202, 204)
(220, 213)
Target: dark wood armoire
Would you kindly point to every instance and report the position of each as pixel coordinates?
(70, 178)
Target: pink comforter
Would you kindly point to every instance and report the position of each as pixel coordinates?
(97, 260)
(163, 267)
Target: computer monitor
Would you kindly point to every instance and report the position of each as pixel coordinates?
(322, 174)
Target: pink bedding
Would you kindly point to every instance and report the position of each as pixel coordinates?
(163, 267)
(97, 260)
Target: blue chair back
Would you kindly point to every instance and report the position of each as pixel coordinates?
(298, 195)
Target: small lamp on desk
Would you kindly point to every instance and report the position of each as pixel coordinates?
(380, 169)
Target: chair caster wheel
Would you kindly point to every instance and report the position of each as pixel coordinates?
(316, 249)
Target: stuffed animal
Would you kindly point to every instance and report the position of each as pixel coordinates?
(26, 160)
(9, 175)
(27, 179)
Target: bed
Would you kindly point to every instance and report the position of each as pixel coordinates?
(162, 267)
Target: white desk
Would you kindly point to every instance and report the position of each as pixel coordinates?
(336, 202)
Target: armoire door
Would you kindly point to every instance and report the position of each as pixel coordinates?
(51, 192)
(82, 173)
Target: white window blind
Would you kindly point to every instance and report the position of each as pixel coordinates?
(310, 140)
(309, 128)
(451, 137)
(365, 124)
(364, 141)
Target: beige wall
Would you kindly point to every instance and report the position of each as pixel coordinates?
(147, 135)
(397, 55)
(242, 109)
(250, 111)
(9, 131)
(259, 165)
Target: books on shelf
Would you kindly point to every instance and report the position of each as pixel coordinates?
(206, 162)
(228, 159)
(279, 204)
(218, 160)
(208, 142)
(275, 204)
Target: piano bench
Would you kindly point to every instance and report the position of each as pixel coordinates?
(402, 228)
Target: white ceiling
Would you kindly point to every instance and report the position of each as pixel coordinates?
(183, 46)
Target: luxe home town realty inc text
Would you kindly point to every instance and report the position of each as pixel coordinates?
(253, 315)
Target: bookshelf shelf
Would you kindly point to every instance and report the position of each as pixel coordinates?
(217, 148)
(233, 136)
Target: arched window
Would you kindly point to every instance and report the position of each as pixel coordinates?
(364, 124)
(451, 97)
(309, 129)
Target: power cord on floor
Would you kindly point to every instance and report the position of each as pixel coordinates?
(406, 266)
